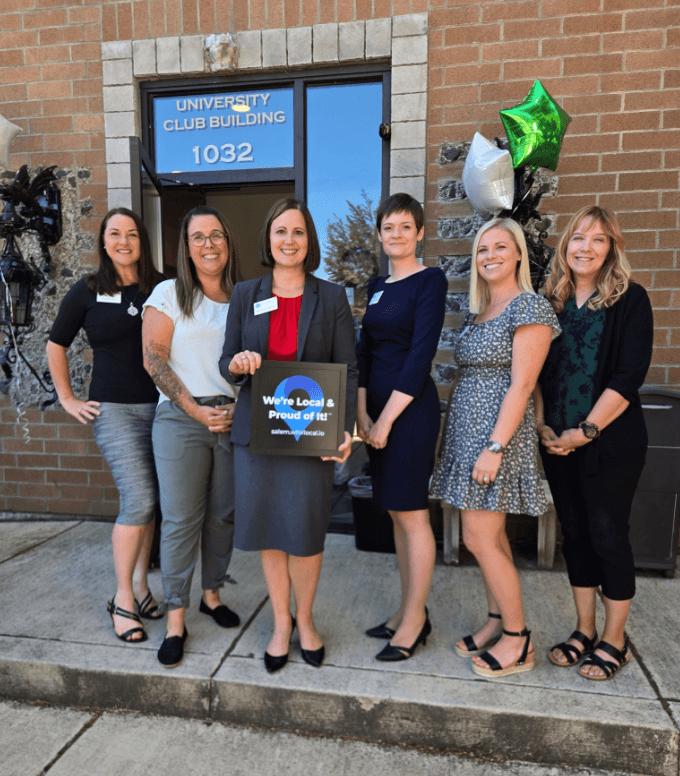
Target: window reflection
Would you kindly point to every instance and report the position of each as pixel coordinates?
(344, 176)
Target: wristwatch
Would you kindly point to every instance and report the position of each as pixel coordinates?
(590, 430)
(494, 447)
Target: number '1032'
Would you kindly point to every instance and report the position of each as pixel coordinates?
(228, 152)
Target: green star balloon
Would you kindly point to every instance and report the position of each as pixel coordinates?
(535, 129)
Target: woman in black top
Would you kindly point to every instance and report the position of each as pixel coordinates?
(122, 399)
(590, 422)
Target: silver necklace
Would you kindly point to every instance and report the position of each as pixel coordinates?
(132, 310)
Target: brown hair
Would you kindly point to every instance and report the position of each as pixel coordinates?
(313, 258)
(105, 280)
(614, 276)
(187, 285)
(400, 203)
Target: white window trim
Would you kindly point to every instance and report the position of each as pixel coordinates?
(401, 39)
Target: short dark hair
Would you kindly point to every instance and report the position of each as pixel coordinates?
(313, 258)
(187, 284)
(105, 280)
(400, 203)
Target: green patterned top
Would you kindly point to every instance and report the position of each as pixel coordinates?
(568, 378)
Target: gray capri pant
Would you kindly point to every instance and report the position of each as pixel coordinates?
(123, 434)
(196, 477)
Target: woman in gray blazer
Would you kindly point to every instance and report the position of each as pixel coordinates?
(283, 502)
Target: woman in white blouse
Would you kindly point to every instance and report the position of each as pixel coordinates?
(183, 332)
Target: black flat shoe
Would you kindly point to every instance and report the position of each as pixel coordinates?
(113, 608)
(391, 653)
(171, 651)
(314, 657)
(274, 663)
(381, 631)
(222, 615)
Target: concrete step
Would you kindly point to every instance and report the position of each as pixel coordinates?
(57, 645)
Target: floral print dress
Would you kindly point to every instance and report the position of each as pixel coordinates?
(484, 357)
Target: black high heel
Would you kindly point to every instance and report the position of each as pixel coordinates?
(274, 663)
(113, 608)
(381, 631)
(314, 657)
(392, 653)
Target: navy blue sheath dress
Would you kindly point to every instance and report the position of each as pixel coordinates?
(399, 337)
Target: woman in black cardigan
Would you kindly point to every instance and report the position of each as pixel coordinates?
(590, 422)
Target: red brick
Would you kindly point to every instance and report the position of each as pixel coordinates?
(579, 165)
(70, 142)
(664, 138)
(63, 507)
(455, 17)
(14, 93)
(675, 336)
(24, 475)
(87, 86)
(660, 299)
(105, 479)
(646, 259)
(666, 356)
(596, 23)
(640, 240)
(561, 87)
(630, 121)
(648, 181)
(20, 445)
(518, 10)
(61, 72)
(85, 51)
(475, 33)
(594, 103)
(627, 5)
(64, 107)
(568, 205)
(364, 10)
(25, 505)
(54, 124)
(310, 12)
(34, 460)
(670, 199)
(41, 19)
(624, 201)
(40, 491)
(173, 22)
(673, 37)
(603, 63)
(543, 28)
(507, 93)
(666, 317)
(660, 219)
(558, 7)
(18, 39)
(79, 492)
(454, 95)
(661, 18)
(652, 60)
(345, 11)
(456, 55)
(630, 82)
(669, 238)
(70, 446)
(103, 508)
(8, 489)
(109, 22)
(653, 100)
(12, 58)
(124, 13)
(72, 33)
(656, 376)
(80, 462)
(84, 15)
(79, 431)
(92, 32)
(327, 13)
(582, 44)
(59, 476)
(140, 19)
(8, 74)
(10, 21)
(578, 184)
(632, 41)
(49, 89)
(661, 337)
(672, 159)
(501, 52)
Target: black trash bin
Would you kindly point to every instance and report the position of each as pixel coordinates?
(655, 514)
(373, 530)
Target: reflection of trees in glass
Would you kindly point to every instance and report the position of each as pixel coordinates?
(352, 253)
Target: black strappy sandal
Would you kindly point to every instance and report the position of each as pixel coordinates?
(496, 670)
(113, 608)
(571, 653)
(472, 649)
(610, 668)
(148, 609)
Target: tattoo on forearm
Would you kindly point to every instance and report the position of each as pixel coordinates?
(162, 375)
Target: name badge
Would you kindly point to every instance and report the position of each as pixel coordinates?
(375, 298)
(109, 298)
(266, 306)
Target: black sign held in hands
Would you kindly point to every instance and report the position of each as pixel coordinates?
(298, 408)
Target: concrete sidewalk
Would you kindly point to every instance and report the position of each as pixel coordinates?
(57, 645)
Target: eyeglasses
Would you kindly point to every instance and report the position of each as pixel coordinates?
(216, 238)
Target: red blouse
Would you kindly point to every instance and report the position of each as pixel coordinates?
(283, 329)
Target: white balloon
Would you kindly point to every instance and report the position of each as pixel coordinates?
(488, 177)
(8, 132)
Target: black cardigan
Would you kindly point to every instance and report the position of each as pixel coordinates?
(623, 360)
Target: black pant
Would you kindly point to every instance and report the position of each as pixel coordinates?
(594, 513)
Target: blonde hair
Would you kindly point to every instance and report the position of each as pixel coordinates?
(479, 288)
(614, 276)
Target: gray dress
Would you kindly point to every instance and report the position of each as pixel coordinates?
(484, 356)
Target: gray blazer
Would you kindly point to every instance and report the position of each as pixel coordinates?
(325, 335)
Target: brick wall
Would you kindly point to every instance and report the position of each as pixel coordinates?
(614, 65)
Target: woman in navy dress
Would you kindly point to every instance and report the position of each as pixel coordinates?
(398, 413)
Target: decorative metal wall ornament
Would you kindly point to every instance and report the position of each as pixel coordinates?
(29, 206)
